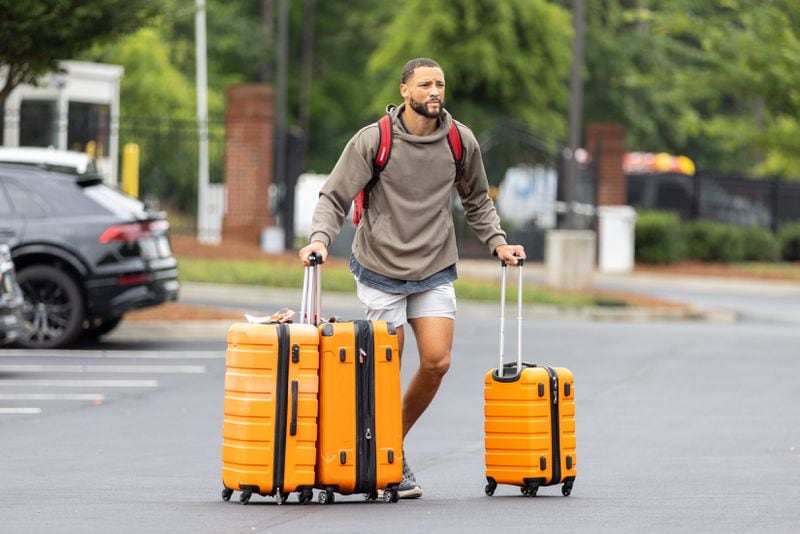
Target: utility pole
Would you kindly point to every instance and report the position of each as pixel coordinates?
(265, 70)
(575, 108)
(282, 74)
(203, 222)
(306, 63)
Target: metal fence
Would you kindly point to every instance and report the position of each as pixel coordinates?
(168, 170)
(732, 199)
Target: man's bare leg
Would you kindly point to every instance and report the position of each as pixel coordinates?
(435, 341)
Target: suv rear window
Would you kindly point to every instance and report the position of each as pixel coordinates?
(115, 202)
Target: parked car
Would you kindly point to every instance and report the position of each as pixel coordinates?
(48, 158)
(10, 298)
(84, 253)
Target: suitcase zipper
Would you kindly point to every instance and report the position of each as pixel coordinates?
(282, 386)
(555, 427)
(365, 399)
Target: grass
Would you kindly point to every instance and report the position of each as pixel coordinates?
(785, 270)
(339, 279)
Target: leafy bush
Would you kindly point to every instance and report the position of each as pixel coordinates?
(789, 239)
(658, 237)
(713, 241)
(759, 244)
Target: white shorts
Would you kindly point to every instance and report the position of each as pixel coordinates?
(397, 309)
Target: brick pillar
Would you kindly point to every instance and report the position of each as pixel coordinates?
(607, 141)
(248, 160)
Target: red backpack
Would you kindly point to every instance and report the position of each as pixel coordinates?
(361, 201)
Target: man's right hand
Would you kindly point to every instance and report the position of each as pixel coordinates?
(315, 246)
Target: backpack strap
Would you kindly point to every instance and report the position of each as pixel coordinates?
(382, 156)
(457, 148)
(361, 202)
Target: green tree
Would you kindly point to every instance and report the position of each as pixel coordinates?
(38, 34)
(717, 80)
(235, 40)
(502, 59)
(159, 114)
(735, 63)
(342, 87)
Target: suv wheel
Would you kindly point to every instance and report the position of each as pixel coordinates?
(52, 314)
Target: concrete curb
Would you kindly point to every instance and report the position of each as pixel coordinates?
(347, 305)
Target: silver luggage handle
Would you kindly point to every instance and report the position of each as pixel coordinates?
(520, 262)
(311, 300)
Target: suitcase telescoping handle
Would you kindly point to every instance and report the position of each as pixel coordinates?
(311, 301)
(520, 262)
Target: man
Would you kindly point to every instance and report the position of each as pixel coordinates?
(404, 251)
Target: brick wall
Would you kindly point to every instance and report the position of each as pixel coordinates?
(608, 140)
(248, 160)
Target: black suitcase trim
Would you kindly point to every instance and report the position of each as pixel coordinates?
(281, 395)
(365, 401)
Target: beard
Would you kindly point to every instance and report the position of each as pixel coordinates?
(423, 110)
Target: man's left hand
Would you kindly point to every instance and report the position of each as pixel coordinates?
(510, 253)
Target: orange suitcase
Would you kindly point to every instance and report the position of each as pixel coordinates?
(529, 420)
(360, 444)
(270, 408)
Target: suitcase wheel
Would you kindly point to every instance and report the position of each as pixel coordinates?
(226, 494)
(371, 496)
(244, 498)
(305, 496)
(326, 497)
(390, 495)
(490, 487)
(566, 489)
(529, 490)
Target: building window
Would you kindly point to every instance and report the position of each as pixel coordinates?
(37, 123)
(89, 123)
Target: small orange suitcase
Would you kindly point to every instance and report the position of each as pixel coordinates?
(270, 408)
(529, 420)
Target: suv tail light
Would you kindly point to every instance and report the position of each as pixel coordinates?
(132, 232)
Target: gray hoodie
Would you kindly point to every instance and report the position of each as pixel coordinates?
(407, 233)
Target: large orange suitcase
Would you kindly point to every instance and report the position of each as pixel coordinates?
(360, 444)
(270, 408)
(529, 420)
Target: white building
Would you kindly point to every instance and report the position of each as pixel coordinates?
(73, 109)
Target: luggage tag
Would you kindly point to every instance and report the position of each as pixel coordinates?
(284, 315)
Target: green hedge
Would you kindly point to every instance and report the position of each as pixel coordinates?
(789, 239)
(658, 237)
(760, 244)
(661, 237)
(713, 241)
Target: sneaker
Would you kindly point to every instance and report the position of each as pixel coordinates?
(408, 488)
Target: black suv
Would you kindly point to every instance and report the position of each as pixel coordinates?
(84, 254)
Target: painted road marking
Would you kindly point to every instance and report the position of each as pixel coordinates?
(81, 383)
(132, 354)
(52, 396)
(157, 369)
(17, 411)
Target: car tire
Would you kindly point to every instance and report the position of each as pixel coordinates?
(101, 326)
(53, 310)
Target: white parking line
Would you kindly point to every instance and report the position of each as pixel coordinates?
(81, 383)
(119, 354)
(52, 396)
(15, 411)
(141, 369)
